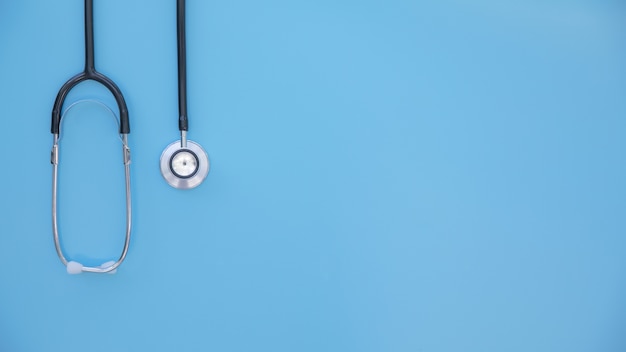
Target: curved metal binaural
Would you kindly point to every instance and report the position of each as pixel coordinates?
(54, 160)
(90, 73)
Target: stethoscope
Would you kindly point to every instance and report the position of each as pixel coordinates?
(184, 164)
(89, 73)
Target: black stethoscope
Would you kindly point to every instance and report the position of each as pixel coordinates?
(184, 164)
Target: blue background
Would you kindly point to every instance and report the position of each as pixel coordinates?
(386, 176)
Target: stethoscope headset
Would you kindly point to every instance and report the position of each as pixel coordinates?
(184, 164)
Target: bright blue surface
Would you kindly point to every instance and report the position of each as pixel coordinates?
(386, 176)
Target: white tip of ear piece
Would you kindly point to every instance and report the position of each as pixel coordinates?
(108, 264)
(74, 268)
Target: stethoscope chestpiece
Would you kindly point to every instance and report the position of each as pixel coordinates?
(184, 167)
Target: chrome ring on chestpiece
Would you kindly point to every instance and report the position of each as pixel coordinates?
(184, 168)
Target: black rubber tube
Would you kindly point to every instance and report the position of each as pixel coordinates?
(89, 73)
(90, 65)
(182, 66)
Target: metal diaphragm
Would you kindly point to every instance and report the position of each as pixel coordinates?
(184, 168)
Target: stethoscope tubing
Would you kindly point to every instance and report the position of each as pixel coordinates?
(183, 123)
(89, 73)
(124, 125)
